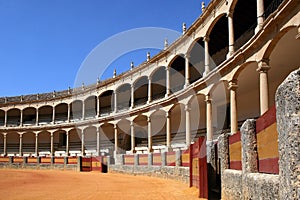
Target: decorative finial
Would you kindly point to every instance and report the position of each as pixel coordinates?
(5, 100)
(21, 98)
(82, 86)
(131, 65)
(115, 73)
(37, 96)
(148, 56)
(183, 27)
(203, 6)
(166, 44)
(98, 80)
(69, 90)
(54, 93)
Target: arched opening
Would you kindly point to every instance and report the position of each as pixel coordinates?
(60, 142)
(44, 139)
(177, 73)
(244, 22)
(158, 128)
(61, 113)
(2, 117)
(76, 110)
(107, 138)
(158, 83)
(124, 97)
(45, 115)
(28, 143)
(196, 60)
(29, 116)
(218, 41)
(106, 103)
(141, 91)
(75, 141)
(12, 143)
(178, 131)
(90, 140)
(90, 105)
(141, 130)
(13, 117)
(271, 6)
(124, 135)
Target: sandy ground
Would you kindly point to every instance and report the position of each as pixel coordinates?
(48, 184)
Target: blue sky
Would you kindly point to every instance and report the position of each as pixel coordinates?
(44, 42)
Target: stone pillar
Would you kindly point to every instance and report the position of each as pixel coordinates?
(67, 143)
(98, 141)
(69, 113)
(168, 84)
(206, 56)
(178, 158)
(149, 136)
(209, 129)
(187, 70)
(136, 160)
(36, 144)
(163, 159)
(288, 127)
(5, 118)
(116, 139)
(82, 143)
(230, 33)
(149, 90)
(150, 159)
(187, 125)
(263, 67)
(21, 145)
(115, 101)
(83, 110)
(53, 115)
(132, 137)
(37, 117)
(132, 96)
(260, 14)
(98, 107)
(21, 117)
(223, 152)
(168, 130)
(52, 144)
(5, 144)
(233, 106)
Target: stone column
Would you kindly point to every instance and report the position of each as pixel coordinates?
(206, 56)
(187, 125)
(115, 101)
(98, 141)
(260, 14)
(5, 144)
(187, 70)
(168, 81)
(52, 144)
(83, 110)
(82, 143)
(263, 67)
(53, 115)
(149, 136)
(116, 139)
(149, 90)
(37, 117)
(5, 118)
(233, 106)
(21, 117)
(132, 96)
(21, 145)
(98, 106)
(36, 144)
(132, 137)
(69, 113)
(209, 129)
(288, 127)
(168, 130)
(67, 143)
(230, 33)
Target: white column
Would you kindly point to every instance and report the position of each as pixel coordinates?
(263, 67)
(132, 96)
(167, 81)
(98, 141)
(67, 143)
(233, 106)
(187, 70)
(21, 145)
(132, 137)
(5, 118)
(149, 136)
(82, 143)
(53, 115)
(69, 112)
(149, 90)
(21, 117)
(83, 110)
(209, 129)
(5, 144)
(115, 101)
(260, 13)
(168, 129)
(98, 106)
(116, 139)
(37, 117)
(187, 125)
(206, 55)
(36, 144)
(230, 33)
(52, 144)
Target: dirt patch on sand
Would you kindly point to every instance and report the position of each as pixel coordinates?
(48, 184)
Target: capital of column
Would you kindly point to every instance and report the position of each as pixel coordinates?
(230, 14)
(167, 115)
(115, 126)
(187, 56)
(167, 68)
(208, 99)
(263, 65)
(148, 119)
(206, 38)
(21, 135)
(187, 108)
(131, 123)
(233, 85)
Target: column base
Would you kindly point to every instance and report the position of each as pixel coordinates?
(150, 150)
(257, 28)
(169, 149)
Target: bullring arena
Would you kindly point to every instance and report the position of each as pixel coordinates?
(217, 111)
